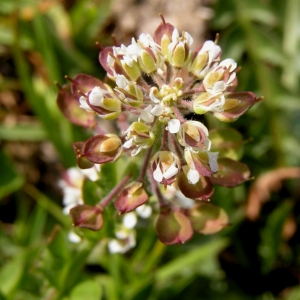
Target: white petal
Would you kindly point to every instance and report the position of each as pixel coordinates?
(219, 86)
(146, 114)
(83, 104)
(130, 220)
(175, 35)
(136, 151)
(96, 96)
(73, 237)
(144, 211)
(207, 46)
(193, 176)
(188, 38)
(128, 143)
(229, 62)
(157, 174)
(173, 125)
(151, 95)
(91, 173)
(171, 172)
(213, 161)
(121, 81)
(157, 110)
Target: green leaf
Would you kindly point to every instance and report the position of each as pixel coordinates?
(189, 260)
(10, 180)
(58, 244)
(272, 235)
(11, 274)
(108, 178)
(23, 133)
(91, 192)
(89, 289)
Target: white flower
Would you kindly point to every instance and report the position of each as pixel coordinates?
(144, 211)
(166, 165)
(125, 241)
(130, 220)
(173, 125)
(72, 185)
(73, 237)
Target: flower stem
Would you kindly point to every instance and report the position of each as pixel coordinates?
(106, 200)
(145, 165)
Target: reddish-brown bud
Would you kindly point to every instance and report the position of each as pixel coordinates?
(173, 227)
(86, 216)
(131, 197)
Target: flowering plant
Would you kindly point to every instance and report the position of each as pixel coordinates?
(158, 91)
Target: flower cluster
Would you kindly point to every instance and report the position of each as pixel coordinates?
(158, 92)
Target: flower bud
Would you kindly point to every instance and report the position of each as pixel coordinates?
(179, 50)
(236, 104)
(148, 61)
(194, 134)
(131, 68)
(173, 227)
(101, 149)
(163, 36)
(201, 190)
(82, 161)
(132, 196)
(231, 173)
(68, 105)
(86, 216)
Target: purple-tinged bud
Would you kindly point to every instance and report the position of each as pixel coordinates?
(231, 173)
(194, 134)
(82, 84)
(82, 161)
(163, 36)
(86, 216)
(173, 227)
(132, 196)
(68, 105)
(236, 104)
(101, 149)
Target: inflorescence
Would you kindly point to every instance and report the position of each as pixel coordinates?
(158, 90)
